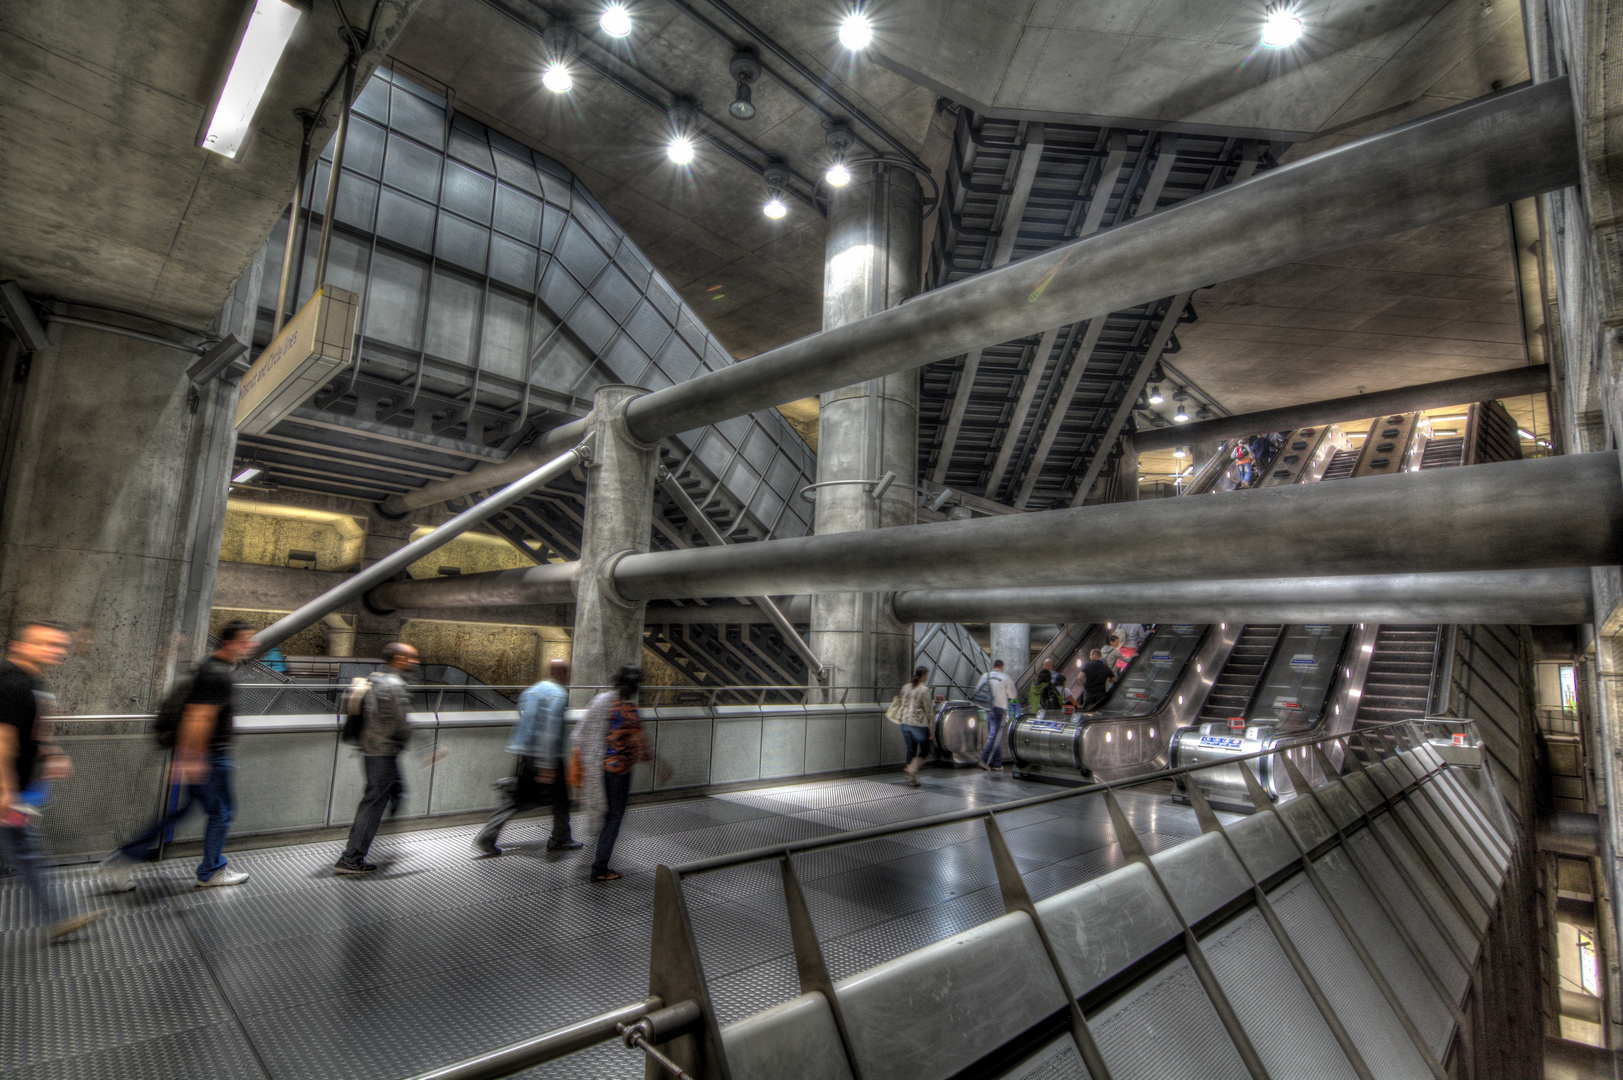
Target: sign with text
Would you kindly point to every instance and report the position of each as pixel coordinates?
(314, 344)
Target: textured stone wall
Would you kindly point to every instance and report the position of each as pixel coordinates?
(267, 540)
(308, 642)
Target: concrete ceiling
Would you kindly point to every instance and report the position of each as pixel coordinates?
(107, 198)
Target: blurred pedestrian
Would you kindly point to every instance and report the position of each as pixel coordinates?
(610, 745)
(914, 708)
(1112, 654)
(993, 692)
(30, 761)
(201, 773)
(385, 734)
(538, 740)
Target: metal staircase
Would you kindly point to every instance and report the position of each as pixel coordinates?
(1342, 464)
(1443, 454)
(1398, 685)
(1237, 683)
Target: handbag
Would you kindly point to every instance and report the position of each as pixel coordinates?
(894, 712)
(574, 774)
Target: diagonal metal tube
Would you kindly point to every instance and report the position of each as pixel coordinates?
(1488, 152)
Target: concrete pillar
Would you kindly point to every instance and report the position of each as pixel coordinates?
(619, 520)
(867, 430)
(340, 635)
(384, 537)
(112, 500)
(1011, 643)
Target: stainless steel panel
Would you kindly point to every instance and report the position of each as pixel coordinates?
(1101, 926)
(862, 739)
(1264, 844)
(1165, 1028)
(684, 749)
(797, 1038)
(1287, 1029)
(1058, 1060)
(1363, 790)
(474, 758)
(1436, 894)
(1370, 1022)
(996, 977)
(1306, 821)
(825, 743)
(1450, 874)
(735, 750)
(783, 746)
(281, 782)
(1045, 739)
(1201, 875)
(960, 731)
(1413, 914)
(1339, 803)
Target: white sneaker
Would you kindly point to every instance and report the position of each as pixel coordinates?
(117, 873)
(223, 876)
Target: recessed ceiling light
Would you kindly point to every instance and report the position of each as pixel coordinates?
(680, 150)
(556, 78)
(616, 20)
(856, 31)
(1282, 27)
(251, 471)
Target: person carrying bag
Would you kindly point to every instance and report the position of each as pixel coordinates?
(911, 710)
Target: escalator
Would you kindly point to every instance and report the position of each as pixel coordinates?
(1231, 694)
(1398, 683)
(1341, 466)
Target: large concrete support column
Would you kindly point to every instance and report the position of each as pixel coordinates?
(870, 429)
(112, 500)
(384, 537)
(619, 520)
(1011, 643)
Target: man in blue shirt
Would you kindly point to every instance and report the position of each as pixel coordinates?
(538, 740)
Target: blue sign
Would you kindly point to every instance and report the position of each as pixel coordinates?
(1046, 725)
(1221, 743)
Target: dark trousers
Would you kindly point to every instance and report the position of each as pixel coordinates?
(527, 794)
(23, 849)
(382, 787)
(214, 796)
(616, 790)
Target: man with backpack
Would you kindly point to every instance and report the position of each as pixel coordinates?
(992, 693)
(197, 721)
(384, 733)
(539, 742)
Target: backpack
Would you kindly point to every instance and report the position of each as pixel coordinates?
(353, 704)
(982, 694)
(166, 729)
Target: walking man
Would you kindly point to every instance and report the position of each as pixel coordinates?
(202, 768)
(29, 761)
(1002, 689)
(385, 733)
(538, 740)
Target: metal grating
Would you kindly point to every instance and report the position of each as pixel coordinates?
(1166, 1028)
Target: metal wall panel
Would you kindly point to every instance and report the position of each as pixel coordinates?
(474, 758)
(783, 747)
(1165, 1028)
(735, 751)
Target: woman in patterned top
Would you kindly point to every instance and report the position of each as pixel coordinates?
(611, 747)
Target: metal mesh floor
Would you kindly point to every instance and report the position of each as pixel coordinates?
(299, 973)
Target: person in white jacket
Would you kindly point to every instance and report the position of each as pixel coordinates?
(1002, 689)
(913, 709)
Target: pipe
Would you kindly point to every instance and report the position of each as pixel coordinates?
(121, 331)
(1513, 382)
(1488, 152)
(547, 583)
(1514, 515)
(1530, 597)
(329, 209)
(387, 567)
(292, 243)
(495, 474)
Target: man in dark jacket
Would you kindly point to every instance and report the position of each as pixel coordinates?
(385, 733)
(1096, 680)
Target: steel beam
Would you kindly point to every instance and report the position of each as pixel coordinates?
(1062, 407)
(1509, 383)
(1507, 146)
(1531, 597)
(547, 583)
(1515, 515)
(1017, 420)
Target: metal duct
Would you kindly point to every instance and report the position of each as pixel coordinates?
(1485, 153)
(1514, 382)
(1513, 515)
(1531, 597)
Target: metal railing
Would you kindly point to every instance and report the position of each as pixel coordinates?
(433, 696)
(675, 971)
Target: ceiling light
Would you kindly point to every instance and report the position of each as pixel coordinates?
(856, 31)
(774, 208)
(1179, 452)
(744, 69)
(742, 108)
(556, 78)
(1203, 413)
(264, 36)
(250, 472)
(616, 20)
(1155, 395)
(838, 175)
(680, 150)
(1282, 27)
(1182, 415)
(777, 177)
(1524, 433)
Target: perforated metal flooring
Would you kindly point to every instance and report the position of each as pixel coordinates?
(300, 974)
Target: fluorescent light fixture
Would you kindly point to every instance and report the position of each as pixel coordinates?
(616, 20)
(1282, 27)
(1524, 433)
(680, 150)
(856, 31)
(838, 175)
(250, 472)
(774, 208)
(265, 33)
(556, 78)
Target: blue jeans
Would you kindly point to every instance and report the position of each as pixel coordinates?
(23, 850)
(214, 795)
(616, 790)
(917, 739)
(993, 754)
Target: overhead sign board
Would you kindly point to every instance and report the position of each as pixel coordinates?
(315, 343)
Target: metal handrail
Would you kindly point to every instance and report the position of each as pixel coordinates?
(528, 1053)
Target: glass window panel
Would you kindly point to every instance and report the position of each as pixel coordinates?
(766, 505)
(580, 253)
(469, 146)
(364, 151)
(551, 225)
(467, 192)
(357, 200)
(742, 479)
(677, 360)
(412, 169)
(551, 168)
(635, 266)
(617, 295)
(374, 99)
(715, 357)
(586, 211)
(558, 290)
(714, 451)
(462, 242)
(541, 325)
(346, 261)
(518, 215)
(735, 429)
(665, 300)
(315, 196)
(783, 476)
(394, 299)
(512, 262)
(647, 328)
(405, 220)
(628, 362)
(453, 315)
(591, 324)
(561, 364)
(692, 331)
(559, 193)
(506, 332)
(517, 171)
(758, 446)
(415, 117)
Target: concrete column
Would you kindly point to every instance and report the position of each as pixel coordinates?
(619, 520)
(1011, 643)
(384, 537)
(864, 431)
(112, 499)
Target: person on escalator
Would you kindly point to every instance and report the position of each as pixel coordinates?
(1096, 680)
(993, 693)
(1132, 636)
(1246, 464)
(1033, 702)
(1112, 655)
